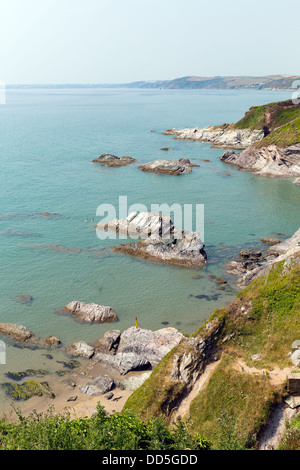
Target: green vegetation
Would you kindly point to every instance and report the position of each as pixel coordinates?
(273, 322)
(27, 390)
(288, 134)
(256, 330)
(280, 122)
(100, 432)
(155, 396)
(233, 407)
(291, 439)
(263, 320)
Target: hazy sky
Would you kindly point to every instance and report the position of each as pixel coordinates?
(116, 41)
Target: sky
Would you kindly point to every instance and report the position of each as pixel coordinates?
(121, 41)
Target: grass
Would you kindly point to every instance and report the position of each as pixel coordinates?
(264, 319)
(280, 119)
(291, 438)
(274, 321)
(288, 134)
(157, 393)
(233, 407)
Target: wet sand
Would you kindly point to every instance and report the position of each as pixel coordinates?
(84, 405)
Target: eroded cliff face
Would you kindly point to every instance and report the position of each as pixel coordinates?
(269, 161)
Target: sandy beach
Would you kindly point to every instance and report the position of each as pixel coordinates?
(69, 398)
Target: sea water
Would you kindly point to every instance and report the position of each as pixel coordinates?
(48, 139)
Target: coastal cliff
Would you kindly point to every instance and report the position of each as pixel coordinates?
(268, 135)
(237, 364)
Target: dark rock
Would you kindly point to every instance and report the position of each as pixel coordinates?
(109, 342)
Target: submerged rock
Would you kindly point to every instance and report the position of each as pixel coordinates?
(108, 159)
(161, 241)
(24, 299)
(27, 390)
(169, 167)
(17, 376)
(90, 313)
(270, 240)
(24, 336)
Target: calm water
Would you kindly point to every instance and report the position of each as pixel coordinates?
(47, 142)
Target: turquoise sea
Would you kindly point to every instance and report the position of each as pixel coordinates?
(48, 139)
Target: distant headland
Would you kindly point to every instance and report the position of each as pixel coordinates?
(268, 82)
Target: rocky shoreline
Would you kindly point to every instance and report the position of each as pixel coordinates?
(251, 264)
(133, 353)
(268, 137)
(268, 161)
(219, 136)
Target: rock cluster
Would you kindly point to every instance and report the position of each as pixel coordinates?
(108, 159)
(252, 264)
(22, 335)
(161, 241)
(135, 349)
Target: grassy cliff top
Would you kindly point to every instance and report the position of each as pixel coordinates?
(263, 320)
(280, 122)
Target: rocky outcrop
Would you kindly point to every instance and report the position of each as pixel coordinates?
(90, 313)
(297, 181)
(219, 136)
(169, 167)
(139, 349)
(135, 349)
(268, 161)
(25, 337)
(252, 264)
(161, 241)
(108, 159)
(151, 345)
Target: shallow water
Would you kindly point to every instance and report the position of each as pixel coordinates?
(47, 143)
